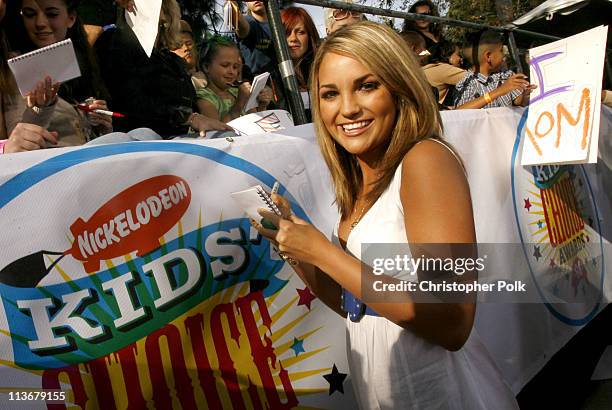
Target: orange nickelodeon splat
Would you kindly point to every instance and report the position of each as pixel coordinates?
(585, 99)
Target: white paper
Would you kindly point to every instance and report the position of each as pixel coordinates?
(145, 22)
(259, 82)
(57, 61)
(564, 111)
(252, 199)
(262, 122)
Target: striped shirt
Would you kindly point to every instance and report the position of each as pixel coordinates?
(473, 86)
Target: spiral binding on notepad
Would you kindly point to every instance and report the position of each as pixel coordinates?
(271, 205)
(41, 50)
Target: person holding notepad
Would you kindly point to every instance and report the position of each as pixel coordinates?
(23, 136)
(223, 98)
(396, 181)
(46, 23)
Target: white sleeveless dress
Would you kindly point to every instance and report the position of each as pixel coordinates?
(392, 368)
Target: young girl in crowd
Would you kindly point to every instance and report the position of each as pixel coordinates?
(221, 99)
(379, 130)
(46, 22)
(303, 40)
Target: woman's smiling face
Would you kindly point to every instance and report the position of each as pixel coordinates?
(356, 108)
(46, 21)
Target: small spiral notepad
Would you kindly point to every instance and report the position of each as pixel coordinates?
(57, 61)
(254, 198)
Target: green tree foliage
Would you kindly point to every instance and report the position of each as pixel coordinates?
(490, 12)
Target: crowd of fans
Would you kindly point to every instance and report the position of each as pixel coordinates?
(183, 89)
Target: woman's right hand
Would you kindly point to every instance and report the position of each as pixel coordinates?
(29, 137)
(44, 95)
(296, 238)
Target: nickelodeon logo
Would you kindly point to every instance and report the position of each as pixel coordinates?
(132, 220)
(561, 211)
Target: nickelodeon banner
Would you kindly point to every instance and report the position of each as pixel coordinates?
(130, 279)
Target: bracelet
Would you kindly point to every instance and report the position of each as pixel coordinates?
(487, 98)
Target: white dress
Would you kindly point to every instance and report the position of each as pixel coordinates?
(392, 368)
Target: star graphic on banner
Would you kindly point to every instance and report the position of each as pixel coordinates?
(298, 346)
(306, 297)
(527, 204)
(335, 380)
(540, 223)
(536, 253)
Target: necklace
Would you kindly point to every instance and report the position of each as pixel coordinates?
(356, 220)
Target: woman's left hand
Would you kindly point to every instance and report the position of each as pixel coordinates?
(104, 122)
(296, 238)
(44, 95)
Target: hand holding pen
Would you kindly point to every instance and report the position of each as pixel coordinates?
(98, 114)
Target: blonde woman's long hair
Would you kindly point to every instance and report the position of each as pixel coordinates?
(383, 51)
(170, 25)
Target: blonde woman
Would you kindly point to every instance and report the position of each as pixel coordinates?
(396, 182)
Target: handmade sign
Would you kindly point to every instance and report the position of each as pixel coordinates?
(564, 110)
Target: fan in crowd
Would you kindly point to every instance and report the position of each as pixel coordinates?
(188, 52)
(335, 19)
(489, 84)
(431, 32)
(52, 106)
(223, 99)
(303, 40)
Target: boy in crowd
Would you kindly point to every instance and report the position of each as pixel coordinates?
(486, 85)
(255, 39)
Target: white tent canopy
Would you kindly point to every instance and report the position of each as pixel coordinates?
(549, 8)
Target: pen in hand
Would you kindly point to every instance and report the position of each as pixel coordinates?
(84, 107)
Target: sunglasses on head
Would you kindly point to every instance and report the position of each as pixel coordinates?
(426, 13)
(344, 14)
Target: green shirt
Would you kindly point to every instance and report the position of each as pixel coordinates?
(222, 105)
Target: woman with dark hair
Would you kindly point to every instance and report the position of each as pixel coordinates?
(23, 136)
(303, 40)
(45, 22)
(431, 32)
